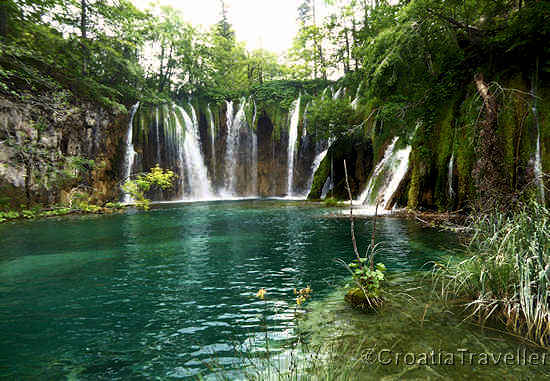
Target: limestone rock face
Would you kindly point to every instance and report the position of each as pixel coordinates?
(272, 160)
(46, 144)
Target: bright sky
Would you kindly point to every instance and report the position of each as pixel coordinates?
(267, 24)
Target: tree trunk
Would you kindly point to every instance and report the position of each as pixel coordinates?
(3, 18)
(161, 67)
(322, 62)
(489, 101)
(354, 34)
(489, 173)
(348, 56)
(83, 34)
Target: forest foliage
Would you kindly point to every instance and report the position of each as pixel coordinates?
(402, 60)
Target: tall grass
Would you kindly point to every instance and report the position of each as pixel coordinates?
(506, 275)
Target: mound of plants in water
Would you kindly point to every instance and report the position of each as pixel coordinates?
(506, 276)
(367, 277)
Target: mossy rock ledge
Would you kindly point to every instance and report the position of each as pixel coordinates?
(359, 301)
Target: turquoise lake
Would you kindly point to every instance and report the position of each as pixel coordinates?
(159, 294)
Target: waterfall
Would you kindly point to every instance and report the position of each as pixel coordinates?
(212, 141)
(254, 164)
(385, 179)
(450, 177)
(539, 175)
(169, 135)
(292, 138)
(190, 153)
(326, 188)
(538, 170)
(232, 151)
(229, 149)
(157, 134)
(130, 153)
(255, 115)
(355, 101)
(316, 163)
(304, 129)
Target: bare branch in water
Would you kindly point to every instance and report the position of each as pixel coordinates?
(351, 217)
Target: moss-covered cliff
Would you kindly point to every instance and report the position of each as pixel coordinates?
(444, 138)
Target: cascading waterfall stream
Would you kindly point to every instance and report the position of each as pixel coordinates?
(157, 134)
(450, 176)
(316, 163)
(170, 135)
(212, 141)
(538, 170)
(539, 175)
(195, 169)
(292, 138)
(254, 164)
(130, 153)
(385, 179)
(355, 101)
(229, 150)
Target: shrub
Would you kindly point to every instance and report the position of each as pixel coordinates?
(156, 177)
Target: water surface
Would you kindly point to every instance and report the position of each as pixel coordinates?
(158, 294)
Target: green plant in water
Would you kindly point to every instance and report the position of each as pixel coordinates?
(369, 279)
(155, 178)
(367, 276)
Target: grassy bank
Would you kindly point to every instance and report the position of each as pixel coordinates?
(506, 276)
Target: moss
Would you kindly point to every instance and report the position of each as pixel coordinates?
(544, 124)
(319, 179)
(444, 148)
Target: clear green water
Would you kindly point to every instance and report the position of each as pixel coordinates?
(159, 294)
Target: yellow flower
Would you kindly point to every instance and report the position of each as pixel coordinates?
(295, 292)
(261, 293)
(300, 300)
(307, 290)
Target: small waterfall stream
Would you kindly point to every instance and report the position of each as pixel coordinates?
(450, 177)
(355, 101)
(254, 164)
(539, 175)
(212, 141)
(130, 153)
(385, 179)
(316, 163)
(157, 134)
(292, 138)
(538, 170)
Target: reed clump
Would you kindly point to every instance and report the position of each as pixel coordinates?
(506, 275)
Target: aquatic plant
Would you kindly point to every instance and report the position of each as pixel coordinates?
(302, 295)
(366, 275)
(506, 275)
